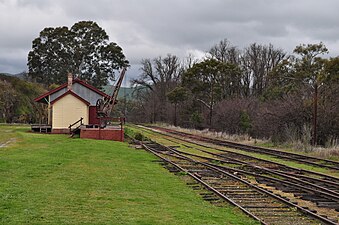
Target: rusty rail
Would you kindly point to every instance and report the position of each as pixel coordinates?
(314, 161)
(253, 200)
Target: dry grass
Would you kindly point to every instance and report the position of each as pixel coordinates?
(332, 152)
(240, 138)
(301, 146)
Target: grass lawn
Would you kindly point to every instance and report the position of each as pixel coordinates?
(53, 179)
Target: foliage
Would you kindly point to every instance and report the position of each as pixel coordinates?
(210, 81)
(309, 67)
(7, 100)
(84, 50)
(16, 100)
(196, 120)
(139, 137)
(176, 96)
(332, 70)
(245, 122)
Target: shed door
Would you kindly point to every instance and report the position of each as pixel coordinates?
(93, 115)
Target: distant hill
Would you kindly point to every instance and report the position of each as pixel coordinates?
(21, 75)
(124, 92)
(16, 100)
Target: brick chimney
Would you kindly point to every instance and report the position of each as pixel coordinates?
(69, 81)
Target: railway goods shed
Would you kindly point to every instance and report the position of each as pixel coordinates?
(72, 107)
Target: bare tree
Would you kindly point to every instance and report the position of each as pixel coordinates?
(257, 62)
(225, 52)
(158, 77)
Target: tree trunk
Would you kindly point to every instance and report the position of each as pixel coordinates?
(211, 113)
(175, 114)
(315, 114)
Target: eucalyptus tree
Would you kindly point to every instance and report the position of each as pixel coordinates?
(304, 74)
(309, 70)
(84, 50)
(177, 96)
(210, 81)
(329, 119)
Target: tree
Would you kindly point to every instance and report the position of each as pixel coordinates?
(328, 115)
(310, 71)
(16, 100)
(245, 122)
(210, 81)
(50, 58)
(257, 61)
(158, 76)
(332, 70)
(8, 99)
(176, 96)
(304, 74)
(84, 50)
(225, 52)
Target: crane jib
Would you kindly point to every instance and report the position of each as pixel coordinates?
(105, 106)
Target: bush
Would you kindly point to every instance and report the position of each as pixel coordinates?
(245, 122)
(140, 137)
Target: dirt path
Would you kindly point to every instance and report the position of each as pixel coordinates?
(3, 145)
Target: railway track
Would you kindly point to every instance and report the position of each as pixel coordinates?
(301, 189)
(308, 186)
(321, 179)
(323, 163)
(259, 203)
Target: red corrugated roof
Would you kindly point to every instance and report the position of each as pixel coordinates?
(76, 80)
(70, 92)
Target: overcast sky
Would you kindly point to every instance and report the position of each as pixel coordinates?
(152, 28)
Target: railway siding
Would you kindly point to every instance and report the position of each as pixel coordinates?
(306, 189)
(253, 200)
(273, 152)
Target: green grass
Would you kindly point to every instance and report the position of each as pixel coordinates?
(52, 179)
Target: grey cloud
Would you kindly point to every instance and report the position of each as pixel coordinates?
(149, 28)
(41, 4)
(12, 64)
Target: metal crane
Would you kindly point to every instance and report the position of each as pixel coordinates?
(105, 106)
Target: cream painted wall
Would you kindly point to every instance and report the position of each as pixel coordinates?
(68, 110)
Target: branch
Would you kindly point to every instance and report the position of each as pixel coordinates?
(142, 83)
(206, 104)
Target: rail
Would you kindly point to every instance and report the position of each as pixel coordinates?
(310, 189)
(255, 201)
(314, 161)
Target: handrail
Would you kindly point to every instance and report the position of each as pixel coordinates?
(71, 125)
